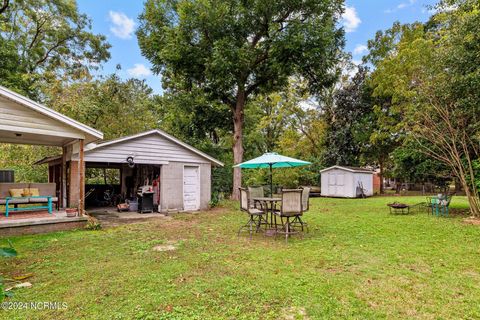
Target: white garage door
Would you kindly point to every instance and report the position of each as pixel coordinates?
(191, 188)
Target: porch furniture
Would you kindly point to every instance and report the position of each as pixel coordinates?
(31, 199)
(291, 207)
(46, 195)
(399, 208)
(305, 207)
(268, 205)
(256, 216)
(255, 192)
(439, 204)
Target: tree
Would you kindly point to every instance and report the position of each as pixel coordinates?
(386, 126)
(232, 49)
(431, 72)
(345, 122)
(412, 165)
(114, 106)
(41, 41)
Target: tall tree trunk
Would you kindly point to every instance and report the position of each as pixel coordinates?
(380, 175)
(238, 141)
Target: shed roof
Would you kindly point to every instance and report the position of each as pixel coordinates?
(348, 168)
(25, 121)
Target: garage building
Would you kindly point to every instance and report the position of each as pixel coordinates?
(180, 174)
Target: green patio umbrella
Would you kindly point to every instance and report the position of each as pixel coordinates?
(272, 160)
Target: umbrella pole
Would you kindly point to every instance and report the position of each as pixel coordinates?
(271, 180)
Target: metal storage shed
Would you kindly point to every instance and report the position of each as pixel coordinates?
(346, 182)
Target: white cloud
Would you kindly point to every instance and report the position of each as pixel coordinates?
(350, 19)
(139, 71)
(360, 49)
(123, 26)
(401, 6)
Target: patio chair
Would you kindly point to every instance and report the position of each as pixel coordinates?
(439, 205)
(291, 207)
(255, 192)
(297, 220)
(256, 216)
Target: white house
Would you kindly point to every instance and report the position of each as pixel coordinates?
(346, 182)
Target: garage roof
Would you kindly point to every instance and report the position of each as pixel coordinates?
(162, 134)
(116, 150)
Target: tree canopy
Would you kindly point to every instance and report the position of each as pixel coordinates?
(45, 40)
(231, 50)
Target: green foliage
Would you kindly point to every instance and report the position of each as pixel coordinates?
(114, 106)
(43, 41)
(93, 224)
(429, 73)
(412, 165)
(217, 44)
(349, 123)
(6, 252)
(20, 158)
(473, 178)
(221, 54)
(216, 198)
(476, 175)
(102, 176)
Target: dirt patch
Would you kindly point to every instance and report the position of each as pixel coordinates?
(169, 246)
(292, 313)
(471, 220)
(111, 218)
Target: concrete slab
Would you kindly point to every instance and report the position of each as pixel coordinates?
(109, 216)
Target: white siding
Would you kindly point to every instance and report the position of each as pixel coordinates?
(343, 183)
(153, 149)
(20, 119)
(367, 181)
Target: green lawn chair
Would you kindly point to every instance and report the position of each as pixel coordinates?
(439, 205)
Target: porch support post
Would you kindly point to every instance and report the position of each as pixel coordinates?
(81, 171)
(64, 178)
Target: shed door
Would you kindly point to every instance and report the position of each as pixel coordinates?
(191, 188)
(336, 184)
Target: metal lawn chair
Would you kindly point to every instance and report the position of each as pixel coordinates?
(305, 207)
(439, 205)
(291, 207)
(255, 192)
(256, 216)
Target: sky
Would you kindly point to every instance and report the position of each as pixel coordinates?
(118, 20)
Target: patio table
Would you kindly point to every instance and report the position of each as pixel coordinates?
(267, 204)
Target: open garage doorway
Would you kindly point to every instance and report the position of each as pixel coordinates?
(102, 186)
(109, 184)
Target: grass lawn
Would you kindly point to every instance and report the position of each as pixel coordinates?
(357, 262)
